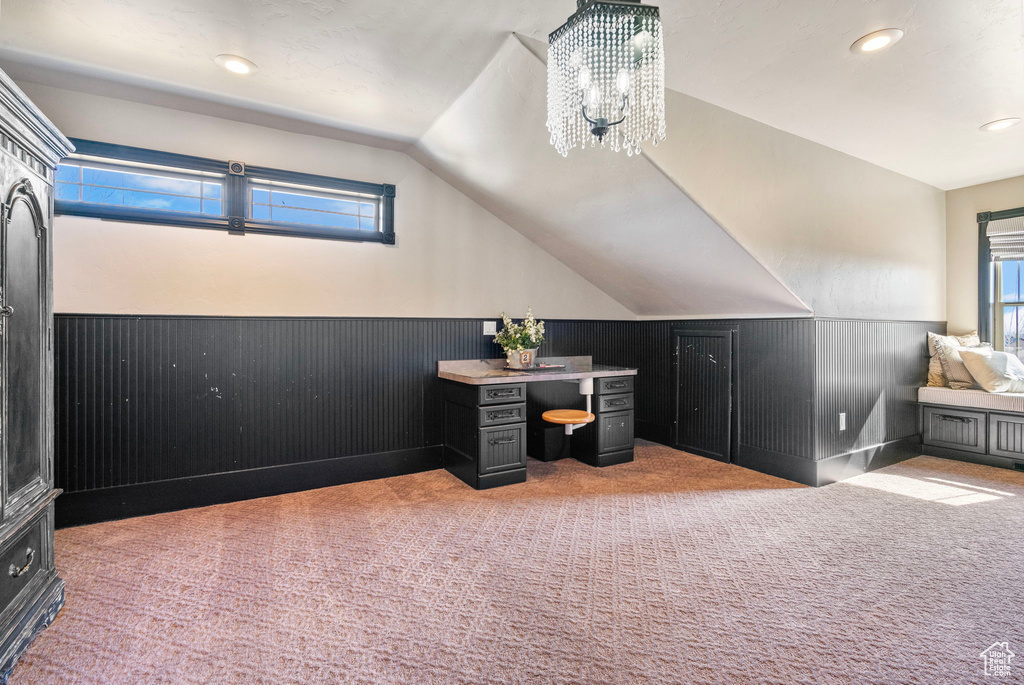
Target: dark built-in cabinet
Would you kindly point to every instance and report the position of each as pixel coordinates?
(31, 593)
(982, 436)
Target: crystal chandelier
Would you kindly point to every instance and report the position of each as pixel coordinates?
(606, 77)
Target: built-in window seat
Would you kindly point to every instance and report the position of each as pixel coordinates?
(973, 425)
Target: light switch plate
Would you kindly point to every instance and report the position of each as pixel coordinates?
(842, 421)
(490, 327)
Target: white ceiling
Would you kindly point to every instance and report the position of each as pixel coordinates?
(390, 68)
(624, 227)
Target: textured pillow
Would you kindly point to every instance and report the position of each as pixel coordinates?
(966, 340)
(936, 378)
(994, 371)
(957, 375)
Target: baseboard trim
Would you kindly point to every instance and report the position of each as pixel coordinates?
(778, 464)
(843, 466)
(108, 504)
(831, 470)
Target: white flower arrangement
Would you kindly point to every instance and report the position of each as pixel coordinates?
(527, 335)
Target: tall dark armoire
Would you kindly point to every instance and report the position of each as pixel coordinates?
(31, 593)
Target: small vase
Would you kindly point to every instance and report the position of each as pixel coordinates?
(521, 359)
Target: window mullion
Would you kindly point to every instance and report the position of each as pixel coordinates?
(235, 202)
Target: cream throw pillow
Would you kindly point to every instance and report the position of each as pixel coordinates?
(966, 340)
(994, 371)
(957, 375)
(936, 375)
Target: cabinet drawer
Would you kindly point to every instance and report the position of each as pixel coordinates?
(499, 415)
(955, 428)
(502, 394)
(1006, 436)
(502, 448)
(614, 431)
(21, 560)
(615, 403)
(613, 385)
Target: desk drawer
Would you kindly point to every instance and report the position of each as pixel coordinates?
(613, 385)
(615, 403)
(502, 448)
(21, 561)
(955, 428)
(500, 415)
(502, 394)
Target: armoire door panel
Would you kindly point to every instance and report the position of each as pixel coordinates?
(24, 323)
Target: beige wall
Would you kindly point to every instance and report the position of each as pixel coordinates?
(962, 208)
(851, 239)
(453, 259)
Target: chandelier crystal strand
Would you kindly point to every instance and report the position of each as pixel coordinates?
(606, 77)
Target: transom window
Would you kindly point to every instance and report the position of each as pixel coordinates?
(295, 204)
(122, 183)
(90, 180)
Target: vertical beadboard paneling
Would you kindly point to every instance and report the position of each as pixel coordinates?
(774, 394)
(869, 370)
(776, 385)
(147, 398)
(143, 399)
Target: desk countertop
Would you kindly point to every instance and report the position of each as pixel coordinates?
(493, 371)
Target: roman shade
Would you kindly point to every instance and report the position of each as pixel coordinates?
(1006, 237)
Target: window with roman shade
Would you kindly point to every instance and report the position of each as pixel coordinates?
(1001, 279)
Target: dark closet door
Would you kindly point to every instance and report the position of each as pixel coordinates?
(25, 321)
(703, 362)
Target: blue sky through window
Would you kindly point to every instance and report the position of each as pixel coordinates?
(312, 208)
(144, 189)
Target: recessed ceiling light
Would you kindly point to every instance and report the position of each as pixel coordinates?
(1000, 124)
(235, 64)
(879, 40)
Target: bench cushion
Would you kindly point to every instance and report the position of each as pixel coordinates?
(979, 399)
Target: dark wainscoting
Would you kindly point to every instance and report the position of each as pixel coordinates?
(156, 413)
(870, 370)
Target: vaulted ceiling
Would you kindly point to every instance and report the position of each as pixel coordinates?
(390, 68)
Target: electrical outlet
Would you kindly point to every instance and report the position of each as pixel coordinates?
(490, 327)
(842, 421)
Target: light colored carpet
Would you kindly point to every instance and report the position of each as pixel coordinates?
(673, 569)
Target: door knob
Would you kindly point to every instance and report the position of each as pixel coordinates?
(7, 310)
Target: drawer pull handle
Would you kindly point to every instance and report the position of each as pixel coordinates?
(504, 414)
(7, 310)
(957, 419)
(30, 555)
(616, 384)
(617, 403)
(503, 441)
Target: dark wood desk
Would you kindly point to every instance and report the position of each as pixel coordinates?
(485, 417)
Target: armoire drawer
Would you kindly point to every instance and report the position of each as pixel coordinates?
(21, 560)
(955, 428)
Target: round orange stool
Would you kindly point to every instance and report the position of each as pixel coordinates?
(568, 416)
